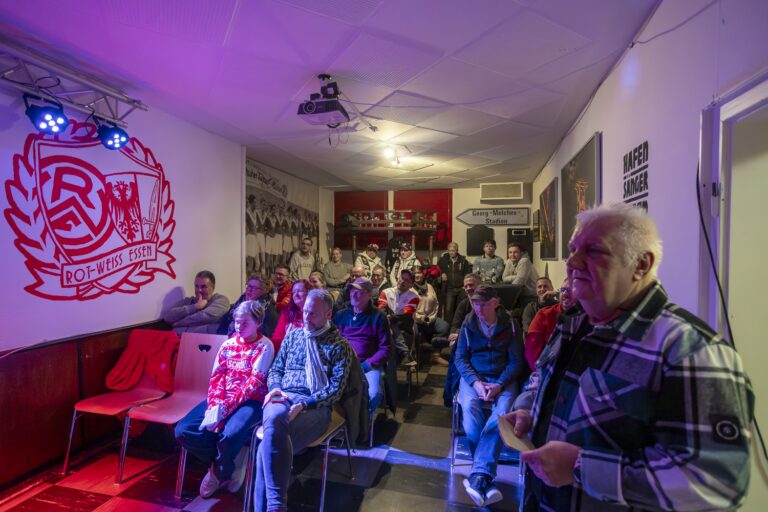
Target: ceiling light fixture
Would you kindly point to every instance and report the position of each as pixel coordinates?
(48, 117)
(111, 136)
(389, 153)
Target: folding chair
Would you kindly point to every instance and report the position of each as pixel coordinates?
(114, 403)
(197, 353)
(336, 428)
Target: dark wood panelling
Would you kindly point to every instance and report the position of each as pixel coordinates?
(38, 390)
(350, 201)
(440, 201)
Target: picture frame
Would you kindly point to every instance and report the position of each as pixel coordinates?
(535, 227)
(548, 200)
(580, 186)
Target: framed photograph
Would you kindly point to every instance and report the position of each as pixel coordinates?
(535, 227)
(548, 221)
(580, 182)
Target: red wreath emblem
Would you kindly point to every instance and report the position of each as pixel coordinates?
(85, 232)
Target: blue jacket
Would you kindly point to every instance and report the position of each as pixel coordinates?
(495, 360)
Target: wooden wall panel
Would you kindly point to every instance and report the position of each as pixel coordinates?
(349, 201)
(440, 201)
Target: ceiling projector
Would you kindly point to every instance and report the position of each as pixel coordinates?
(323, 111)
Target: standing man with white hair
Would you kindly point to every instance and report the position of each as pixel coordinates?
(635, 402)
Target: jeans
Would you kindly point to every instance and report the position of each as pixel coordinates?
(219, 448)
(439, 328)
(375, 391)
(452, 298)
(483, 435)
(282, 439)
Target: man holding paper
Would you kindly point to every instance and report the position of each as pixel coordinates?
(308, 376)
(489, 360)
(635, 403)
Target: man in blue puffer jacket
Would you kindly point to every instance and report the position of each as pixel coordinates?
(489, 360)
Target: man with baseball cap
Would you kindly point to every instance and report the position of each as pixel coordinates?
(367, 330)
(407, 261)
(489, 360)
(368, 259)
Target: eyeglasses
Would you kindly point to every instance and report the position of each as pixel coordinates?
(565, 289)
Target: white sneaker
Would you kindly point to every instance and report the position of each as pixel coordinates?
(209, 485)
(238, 475)
(492, 495)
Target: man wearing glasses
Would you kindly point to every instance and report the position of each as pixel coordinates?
(256, 288)
(281, 287)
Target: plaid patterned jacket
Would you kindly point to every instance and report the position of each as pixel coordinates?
(660, 405)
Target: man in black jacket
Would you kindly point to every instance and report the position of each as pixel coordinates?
(453, 268)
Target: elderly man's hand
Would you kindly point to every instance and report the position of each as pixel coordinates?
(520, 420)
(294, 411)
(200, 304)
(553, 462)
(452, 338)
(491, 390)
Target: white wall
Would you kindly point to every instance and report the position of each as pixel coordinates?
(657, 93)
(468, 198)
(205, 173)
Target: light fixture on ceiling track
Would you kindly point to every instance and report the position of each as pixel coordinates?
(47, 115)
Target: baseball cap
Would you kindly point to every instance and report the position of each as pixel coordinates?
(484, 293)
(361, 283)
(372, 247)
(405, 246)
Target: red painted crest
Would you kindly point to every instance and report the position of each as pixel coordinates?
(88, 231)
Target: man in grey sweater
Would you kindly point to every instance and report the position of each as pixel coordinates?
(200, 313)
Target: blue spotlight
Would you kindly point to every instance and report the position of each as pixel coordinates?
(112, 137)
(48, 117)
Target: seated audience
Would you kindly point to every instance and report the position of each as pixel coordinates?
(215, 431)
(367, 330)
(635, 403)
(519, 270)
(545, 296)
(308, 376)
(368, 259)
(302, 262)
(379, 280)
(257, 289)
(406, 261)
(336, 272)
(489, 361)
(291, 317)
(317, 280)
(400, 304)
(543, 325)
(426, 313)
(281, 287)
(201, 313)
(453, 268)
(489, 266)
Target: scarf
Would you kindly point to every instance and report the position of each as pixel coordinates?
(421, 289)
(313, 365)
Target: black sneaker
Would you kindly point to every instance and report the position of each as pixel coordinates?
(476, 485)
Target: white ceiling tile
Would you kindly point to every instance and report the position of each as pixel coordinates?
(475, 173)
(545, 116)
(374, 59)
(448, 25)
(455, 81)
(274, 30)
(439, 170)
(521, 44)
(469, 162)
(460, 121)
(447, 180)
(385, 130)
(488, 138)
(384, 172)
(519, 103)
(422, 136)
(517, 148)
(436, 156)
(408, 164)
(405, 108)
(351, 11)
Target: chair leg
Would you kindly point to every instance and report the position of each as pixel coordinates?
(180, 473)
(454, 427)
(325, 474)
(123, 448)
(69, 443)
(252, 452)
(373, 422)
(349, 453)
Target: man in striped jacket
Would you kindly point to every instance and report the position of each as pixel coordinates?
(635, 403)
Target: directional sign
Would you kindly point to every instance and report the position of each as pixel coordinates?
(495, 217)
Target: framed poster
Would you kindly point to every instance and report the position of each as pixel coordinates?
(580, 181)
(548, 221)
(535, 228)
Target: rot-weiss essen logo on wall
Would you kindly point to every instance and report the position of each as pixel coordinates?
(85, 230)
